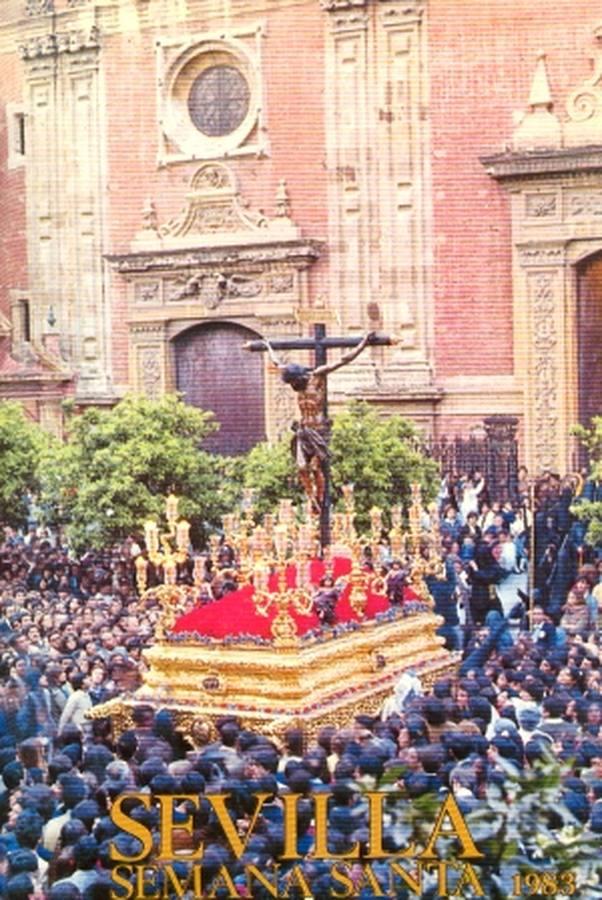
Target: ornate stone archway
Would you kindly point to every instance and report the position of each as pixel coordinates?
(556, 223)
(554, 177)
(217, 261)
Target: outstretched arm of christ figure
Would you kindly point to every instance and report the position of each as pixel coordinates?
(327, 368)
(277, 362)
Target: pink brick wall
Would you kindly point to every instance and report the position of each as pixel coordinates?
(13, 246)
(292, 65)
(482, 59)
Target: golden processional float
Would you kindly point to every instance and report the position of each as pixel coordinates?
(260, 653)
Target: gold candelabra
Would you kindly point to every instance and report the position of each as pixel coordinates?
(358, 576)
(424, 553)
(166, 550)
(287, 543)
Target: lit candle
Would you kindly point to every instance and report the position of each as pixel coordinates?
(347, 493)
(151, 536)
(199, 570)
(285, 511)
(304, 574)
(228, 522)
(183, 535)
(268, 522)
(305, 538)
(258, 540)
(280, 540)
(169, 571)
(248, 499)
(376, 518)
(171, 508)
(141, 565)
(337, 526)
(261, 576)
(214, 543)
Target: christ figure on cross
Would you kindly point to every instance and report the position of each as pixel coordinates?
(310, 440)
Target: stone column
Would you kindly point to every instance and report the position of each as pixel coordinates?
(64, 199)
(379, 194)
(540, 277)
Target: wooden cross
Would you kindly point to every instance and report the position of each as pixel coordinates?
(317, 393)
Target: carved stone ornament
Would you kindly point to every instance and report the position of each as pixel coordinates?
(213, 206)
(215, 215)
(586, 101)
(583, 204)
(540, 206)
(282, 283)
(335, 5)
(538, 255)
(584, 105)
(212, 288)
(407, 8)
(149, 371)
(299, 253)
(148, 292)
(545, 339)
(60, 42)
(38, 7)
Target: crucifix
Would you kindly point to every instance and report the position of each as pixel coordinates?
(311, 432)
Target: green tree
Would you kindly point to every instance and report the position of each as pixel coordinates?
(521, 826)
(270, 470)
(117, 466)
(22, 443)
(380, 457)
(590, 511)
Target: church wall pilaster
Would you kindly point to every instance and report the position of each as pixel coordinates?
(65, 197)
(379, 184)
(542, 354)
(555, 224)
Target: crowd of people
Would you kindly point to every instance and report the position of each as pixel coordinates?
(72, 632)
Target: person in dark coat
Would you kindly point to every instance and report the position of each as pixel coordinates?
(442, 590)
(479, 656)
(484, 572)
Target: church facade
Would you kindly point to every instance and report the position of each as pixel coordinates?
(180, 176)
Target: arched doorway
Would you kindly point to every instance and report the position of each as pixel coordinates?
(215, 373)
(589, 338)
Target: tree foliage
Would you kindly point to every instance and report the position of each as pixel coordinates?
(380, 457)
(22, 443)
(525, 826)
(590, 510)
(117, 466)
(269, 469)
(520, 826)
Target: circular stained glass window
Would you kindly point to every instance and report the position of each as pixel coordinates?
(218, 100)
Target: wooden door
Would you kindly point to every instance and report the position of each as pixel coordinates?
(215, 373)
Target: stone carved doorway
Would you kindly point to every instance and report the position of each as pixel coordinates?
(215, 373)
(589, 338)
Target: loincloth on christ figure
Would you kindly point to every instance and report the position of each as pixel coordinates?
(308, 444)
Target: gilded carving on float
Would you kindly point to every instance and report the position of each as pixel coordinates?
(298, 670)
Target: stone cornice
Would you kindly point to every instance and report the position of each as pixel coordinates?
(428, 393)
(337, 5)
(408, 7)
(54, 43)
(297, 253)
(533, 164)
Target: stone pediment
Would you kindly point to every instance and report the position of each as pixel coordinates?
(541, 129)
(584, 105)
(215, 215)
